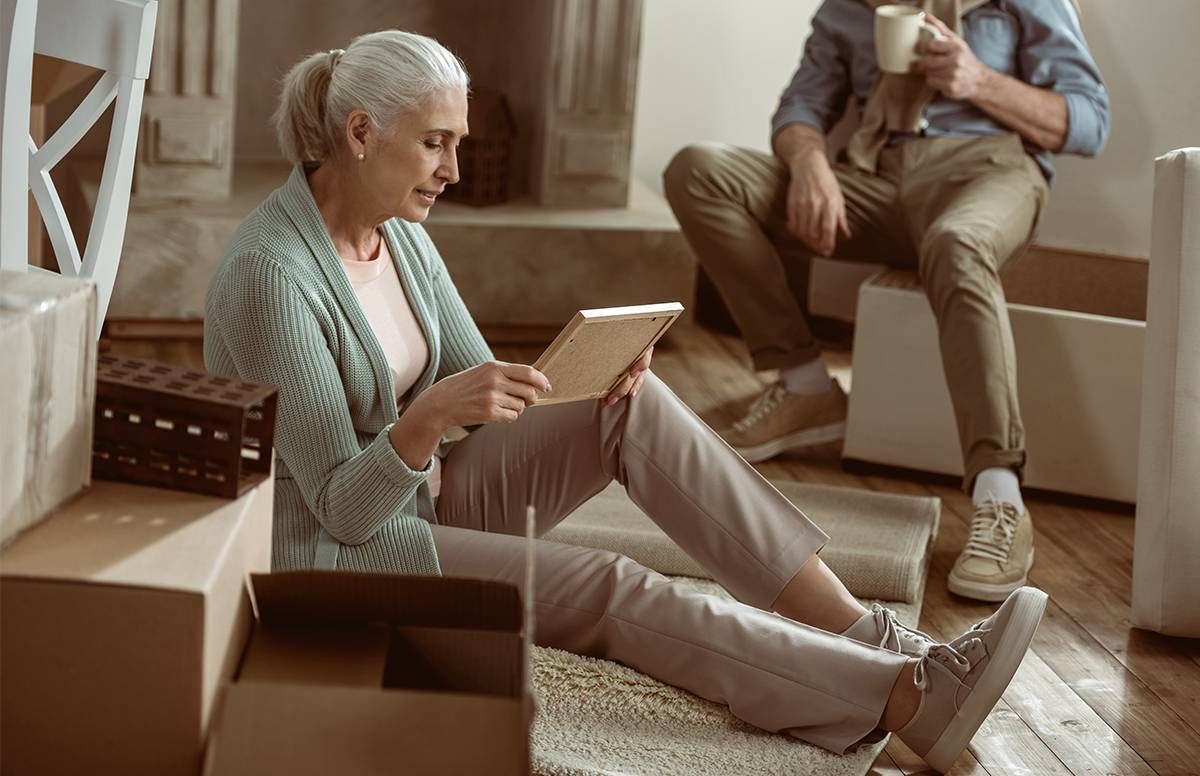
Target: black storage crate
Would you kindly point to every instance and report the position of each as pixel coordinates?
(158, 424)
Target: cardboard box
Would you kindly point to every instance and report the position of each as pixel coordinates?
(833, 287)
(378, 673)
(48, 342)
(1079, 382)
(123, 614)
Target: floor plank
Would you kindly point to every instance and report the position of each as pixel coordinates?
(1068, 726)
(1076, 655)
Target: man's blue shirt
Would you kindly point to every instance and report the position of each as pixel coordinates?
(1039, 42)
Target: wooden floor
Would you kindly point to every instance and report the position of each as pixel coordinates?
(1093, 697)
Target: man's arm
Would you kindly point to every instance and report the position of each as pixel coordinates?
(798, 143)
(1058, 101)
(1039, 115)
(815, 99)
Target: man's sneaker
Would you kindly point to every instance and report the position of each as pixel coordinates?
(780, 420)
(998, 554)
(961, 681)
(881, 628)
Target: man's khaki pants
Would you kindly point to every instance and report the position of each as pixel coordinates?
(770, 671)
(955, 209)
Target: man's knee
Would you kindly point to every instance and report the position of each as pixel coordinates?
(953, 261)
(696, 162)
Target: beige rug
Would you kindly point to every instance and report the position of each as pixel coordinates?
(596, 717)
(878, 542)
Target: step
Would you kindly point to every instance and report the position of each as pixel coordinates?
(515, 264)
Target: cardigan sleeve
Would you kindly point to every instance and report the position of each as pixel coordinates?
(272, 335)
(463, 346)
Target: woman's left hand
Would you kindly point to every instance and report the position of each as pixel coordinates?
(631, 383)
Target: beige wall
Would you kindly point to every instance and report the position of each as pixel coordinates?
(275, 34)
(713, 70)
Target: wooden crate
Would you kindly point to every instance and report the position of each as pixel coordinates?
(158, 424)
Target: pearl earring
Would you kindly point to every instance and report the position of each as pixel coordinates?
(360, 157)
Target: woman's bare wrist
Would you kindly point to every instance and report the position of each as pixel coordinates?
(417, 433)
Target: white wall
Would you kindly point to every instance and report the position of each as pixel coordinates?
(713, 70)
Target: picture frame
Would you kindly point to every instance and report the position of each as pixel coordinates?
(594, 351)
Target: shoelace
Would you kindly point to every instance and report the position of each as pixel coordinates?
(993, 527)
(762, 407)
(891, 630)
(944, 657)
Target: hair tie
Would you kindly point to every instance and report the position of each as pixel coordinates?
(335, 56)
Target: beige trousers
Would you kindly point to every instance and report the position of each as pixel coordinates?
(770, 671)
(955, 209)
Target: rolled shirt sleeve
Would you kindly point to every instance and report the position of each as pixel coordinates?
(818, 91)
(1054, 55)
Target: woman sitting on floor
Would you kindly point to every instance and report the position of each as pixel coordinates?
(333, 291)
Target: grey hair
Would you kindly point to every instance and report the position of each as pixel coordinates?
(384, 73)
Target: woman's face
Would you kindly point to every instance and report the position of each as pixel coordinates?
(412, 161)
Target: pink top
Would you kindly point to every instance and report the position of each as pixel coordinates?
(391, 317)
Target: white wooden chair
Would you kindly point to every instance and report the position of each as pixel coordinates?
(116, 37)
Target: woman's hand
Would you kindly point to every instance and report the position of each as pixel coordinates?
(494, 392)
(631, 383)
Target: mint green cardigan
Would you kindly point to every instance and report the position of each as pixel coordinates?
(281, 310)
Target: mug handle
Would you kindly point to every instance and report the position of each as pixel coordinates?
(934, 32)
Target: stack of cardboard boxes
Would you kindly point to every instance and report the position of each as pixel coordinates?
(125, 613)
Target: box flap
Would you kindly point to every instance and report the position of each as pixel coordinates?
(342, 598)
(297, 730)
(453, 659)
(387, 657)
(348, 656)
(131, 535)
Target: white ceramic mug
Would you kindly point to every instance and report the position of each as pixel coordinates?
(898, 31)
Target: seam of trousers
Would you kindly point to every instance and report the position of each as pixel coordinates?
(650, 461)
(609, 615)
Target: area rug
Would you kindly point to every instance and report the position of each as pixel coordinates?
(878, 542)
(599, 718)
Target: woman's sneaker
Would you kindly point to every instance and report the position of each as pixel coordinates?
(882, 628)
(962, 681)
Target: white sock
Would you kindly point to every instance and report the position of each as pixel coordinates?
(998, 484)
(808, 379)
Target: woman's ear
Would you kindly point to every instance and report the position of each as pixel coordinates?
(358, 129)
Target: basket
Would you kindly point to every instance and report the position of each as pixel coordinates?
(485, 155)
(158, 424)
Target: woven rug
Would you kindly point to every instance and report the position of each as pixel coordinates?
(596, 717)
(878, 542)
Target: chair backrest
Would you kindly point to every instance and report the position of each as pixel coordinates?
(17, 22)
(116, 37)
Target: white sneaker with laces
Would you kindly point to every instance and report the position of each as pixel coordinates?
(881, 628)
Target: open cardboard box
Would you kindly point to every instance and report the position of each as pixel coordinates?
(121, 616)
(355, 673)
(1078, 328)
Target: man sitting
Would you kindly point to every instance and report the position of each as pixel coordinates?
(947, 174)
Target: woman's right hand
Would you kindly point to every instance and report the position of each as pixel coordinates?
(493, 392)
